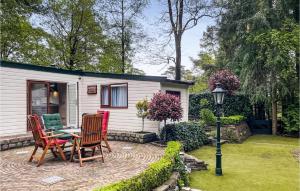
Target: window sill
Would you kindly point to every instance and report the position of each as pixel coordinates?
(110, 107)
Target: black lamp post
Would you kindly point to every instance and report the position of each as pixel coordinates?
(218, 94)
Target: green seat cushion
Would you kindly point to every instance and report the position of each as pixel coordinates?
(52, 121)
(64, 136)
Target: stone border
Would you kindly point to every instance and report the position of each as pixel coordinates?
(170, 184)
(131, 136)
(17, 141)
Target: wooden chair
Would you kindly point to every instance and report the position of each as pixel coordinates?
(91, 137)
(53, 123)
(43, 141)
(104, 128)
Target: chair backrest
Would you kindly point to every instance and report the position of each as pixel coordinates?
(52, 121)
(91, 129)
(104, 121)
(37, 131)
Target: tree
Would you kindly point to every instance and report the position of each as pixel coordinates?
(259, 47)
(228, 80)
(186, 74)
(182, 16)
(19, 40)
(276, 49)
(206, 63)
(142, 110)
(122, 24)
(163, 107)
(78, 37)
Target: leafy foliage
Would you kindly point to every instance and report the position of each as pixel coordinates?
(291, 120)
(262, 47)
(207, 116)
(78, 39)
(122, 24)
(237, 104)
(228, 80)
(156, 174)
(67, 34)
(191, 134)
(165, 106)
(20, 41)
(234, 119)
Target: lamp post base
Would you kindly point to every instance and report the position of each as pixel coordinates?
(219, 172)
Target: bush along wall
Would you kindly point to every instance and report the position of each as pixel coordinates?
(155, 175)
(233, 105)
(190, 134)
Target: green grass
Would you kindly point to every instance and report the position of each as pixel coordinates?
(261, 163)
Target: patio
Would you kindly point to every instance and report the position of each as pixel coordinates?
(126, 160)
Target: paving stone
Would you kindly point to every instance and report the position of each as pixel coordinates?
(52, 179)
(16, 173)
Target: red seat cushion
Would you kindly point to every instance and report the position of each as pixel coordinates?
(59, 141)
(104, 121)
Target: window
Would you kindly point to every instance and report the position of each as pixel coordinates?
(114, 96)
(175, 93)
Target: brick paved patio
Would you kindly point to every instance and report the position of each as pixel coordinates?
(126, 160)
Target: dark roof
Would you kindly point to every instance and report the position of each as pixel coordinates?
(24, 66)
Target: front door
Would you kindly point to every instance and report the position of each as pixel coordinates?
(38, 97)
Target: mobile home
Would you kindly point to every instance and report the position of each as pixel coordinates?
(27, 89)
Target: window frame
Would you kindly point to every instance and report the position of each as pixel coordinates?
(171, 92)
(109, 96)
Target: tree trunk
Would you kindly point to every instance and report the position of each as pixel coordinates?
(143, 124)
(178, 58)
(274, 117)
(123, 38)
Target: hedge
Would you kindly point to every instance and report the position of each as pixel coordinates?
(231, 120)
(190, 134)
(155, 175)
(233, 105)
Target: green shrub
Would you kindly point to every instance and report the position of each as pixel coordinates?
(204, 103)
(233, 105)
(207, 116)
(191, 134)
(155, 175)
(291, 120)
(230, 120)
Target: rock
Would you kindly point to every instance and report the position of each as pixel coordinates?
(186, 189)
(193, 163)
(4, 147)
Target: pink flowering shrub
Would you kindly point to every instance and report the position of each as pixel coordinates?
(165, 106)
(228, 80)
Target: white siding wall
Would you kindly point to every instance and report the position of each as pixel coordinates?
(13, 98)
(120, 119)
(184, 97)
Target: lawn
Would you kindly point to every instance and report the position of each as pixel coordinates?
(261, 163)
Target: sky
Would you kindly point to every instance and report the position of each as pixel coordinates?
(190, 41)
(144, 59)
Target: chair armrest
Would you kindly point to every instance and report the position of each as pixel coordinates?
(75, 135)
(52, 136)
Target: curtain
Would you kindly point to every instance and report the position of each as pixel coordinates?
(105, 98)
(119, 96)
